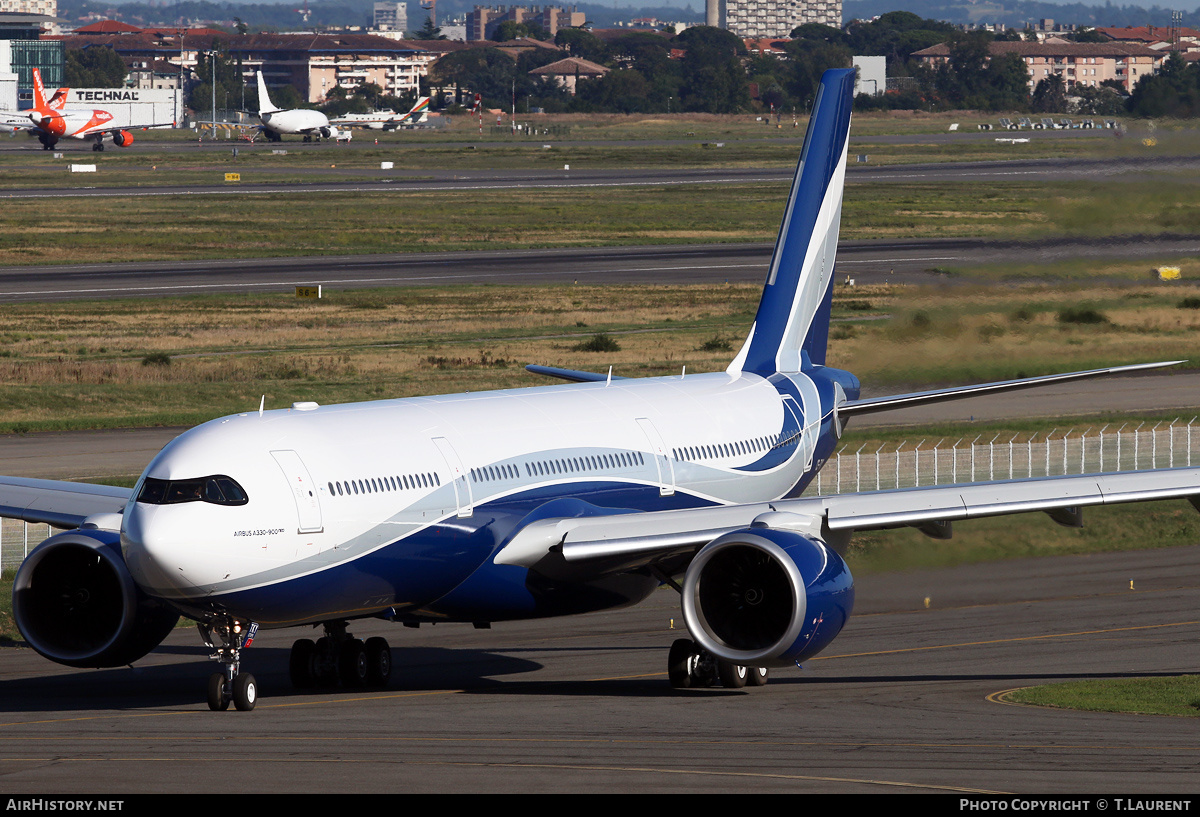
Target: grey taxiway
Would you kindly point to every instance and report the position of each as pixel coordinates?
(908, 699)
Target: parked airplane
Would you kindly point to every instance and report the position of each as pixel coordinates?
(524, 503)
(276, 122)
(386, 119)
(51, 120)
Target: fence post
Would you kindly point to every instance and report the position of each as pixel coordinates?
(881, 445)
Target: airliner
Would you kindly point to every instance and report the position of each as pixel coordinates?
(525, 503)
(276, 122)
(50, 120)
(386, 119)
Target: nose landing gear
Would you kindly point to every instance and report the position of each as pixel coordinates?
(230, 684)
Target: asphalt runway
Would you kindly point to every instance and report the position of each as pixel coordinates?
(902, 702)
(1176, 168)
(914, 262)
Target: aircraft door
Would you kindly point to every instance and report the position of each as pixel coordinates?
(462, 485)
(304, 491)
(666, 470)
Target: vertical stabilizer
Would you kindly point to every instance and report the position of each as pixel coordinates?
(39, 91)
(265, 105)
(420, 111)
(791, 327)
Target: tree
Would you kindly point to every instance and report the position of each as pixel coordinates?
(583, 44)
(807, 61)
(95, 67)
(713, 79)
(1050, 95)
(429, 31)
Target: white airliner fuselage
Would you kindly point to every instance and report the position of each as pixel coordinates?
(327, 486)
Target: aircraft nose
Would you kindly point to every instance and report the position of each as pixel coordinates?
(156, 557)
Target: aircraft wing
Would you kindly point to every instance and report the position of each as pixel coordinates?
(899, 401)
(624, 541)
(111, 130)
(58, 503)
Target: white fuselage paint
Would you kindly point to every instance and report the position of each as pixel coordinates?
(186, 552)
(298, 120)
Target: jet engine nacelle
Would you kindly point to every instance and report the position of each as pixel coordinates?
(75, 603)
(122, 138)
(765, 597)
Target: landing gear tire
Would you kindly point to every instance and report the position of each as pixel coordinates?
(325, 662)
(379, 662)
(218, 700)
(732, 676)
(756, 676)
(352, 664)
(300, 664)
(245, 692)
(689, 667)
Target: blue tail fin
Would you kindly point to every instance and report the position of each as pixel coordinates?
(792, 325)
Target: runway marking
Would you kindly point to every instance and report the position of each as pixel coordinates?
(890, 260)
(379, 188)
(406, 278)
(1006, 640)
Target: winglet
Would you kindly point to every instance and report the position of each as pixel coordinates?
(791, 328)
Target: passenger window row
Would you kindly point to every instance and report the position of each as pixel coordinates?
(377, 485)
(714, 451)
(575, 465)
(565, 465)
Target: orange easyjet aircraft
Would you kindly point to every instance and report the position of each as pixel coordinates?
(52, 121)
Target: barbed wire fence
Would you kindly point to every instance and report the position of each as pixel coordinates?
(1133, 446)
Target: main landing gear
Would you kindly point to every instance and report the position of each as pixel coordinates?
(340, 658)
(692, 667)
(230, 684)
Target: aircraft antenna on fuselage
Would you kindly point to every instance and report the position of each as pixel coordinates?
(791, 327)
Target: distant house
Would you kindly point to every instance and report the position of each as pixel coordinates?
(570, 71)
(1083, 64)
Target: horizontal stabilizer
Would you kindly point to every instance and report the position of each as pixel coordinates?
(573, 375)
(871, 405)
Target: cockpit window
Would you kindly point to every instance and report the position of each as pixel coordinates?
(216, 490)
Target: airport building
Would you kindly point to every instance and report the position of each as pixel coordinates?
(21, 51)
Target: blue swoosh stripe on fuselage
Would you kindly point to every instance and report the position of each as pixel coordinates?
(416, 570)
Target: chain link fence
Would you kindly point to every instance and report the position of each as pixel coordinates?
(17, 538)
